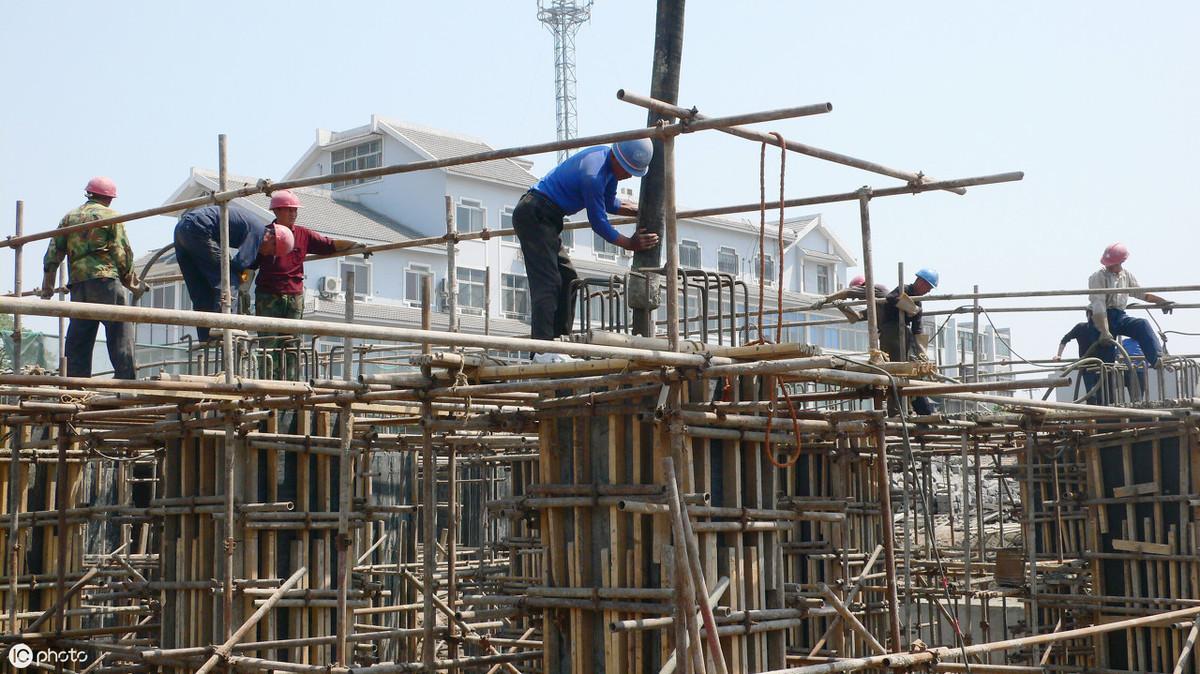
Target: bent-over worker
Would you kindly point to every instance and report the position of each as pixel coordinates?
(586, 181)
(198, 251)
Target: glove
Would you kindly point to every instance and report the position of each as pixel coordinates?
(1167, 307)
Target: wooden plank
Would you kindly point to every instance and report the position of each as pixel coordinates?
(1126, 545)
(1142, 489)
(568, 369)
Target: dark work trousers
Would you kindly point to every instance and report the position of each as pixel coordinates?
(81, 333)
(199, 258)
(1121, 323)
(889, 342)
(539, 224)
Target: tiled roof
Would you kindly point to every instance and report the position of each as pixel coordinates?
(329, 216)
(440, 144)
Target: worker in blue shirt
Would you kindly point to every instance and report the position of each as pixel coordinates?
(1086, 335)
(586, 181)
(198, 251)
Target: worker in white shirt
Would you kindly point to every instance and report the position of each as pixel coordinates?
(1108, 309)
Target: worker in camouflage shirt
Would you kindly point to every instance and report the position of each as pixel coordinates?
(99, 262)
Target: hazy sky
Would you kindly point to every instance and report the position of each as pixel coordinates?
(1096, 101)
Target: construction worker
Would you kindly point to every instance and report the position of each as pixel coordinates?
(856, 290)
(198, 251)
(99, 262)
(279, 284)
(899, 313)
(1087, 339)
(588, 180)
(1108, 309)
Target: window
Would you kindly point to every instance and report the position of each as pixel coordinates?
(769, 271)
(824, 286)
(568, 238)
(603, 248)
(507, 223)
(469, 216)
(362, 275)
(515, 291)
(727, 261)
(165, 296)
(689, 254)
(471, 290)
(362, 156)
(412, 282)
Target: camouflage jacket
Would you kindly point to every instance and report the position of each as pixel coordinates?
(102, 252)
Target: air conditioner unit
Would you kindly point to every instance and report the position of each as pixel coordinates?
(330, 285)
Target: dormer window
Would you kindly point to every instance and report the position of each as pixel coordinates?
(355, 158)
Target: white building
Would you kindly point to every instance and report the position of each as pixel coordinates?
(492, 287)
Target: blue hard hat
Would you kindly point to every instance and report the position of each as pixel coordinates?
(634, 155)
(930, 276)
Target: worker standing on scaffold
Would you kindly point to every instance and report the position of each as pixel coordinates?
(897, 310)
(99, 262)
(1108, 309)
(279, 284)
(588, 180)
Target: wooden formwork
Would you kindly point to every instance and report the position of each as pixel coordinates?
(1145, 556)
(772, 535)
(1115, 537)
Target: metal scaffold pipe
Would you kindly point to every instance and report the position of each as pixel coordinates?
(685, 114)
(373, 332)
(265, 186)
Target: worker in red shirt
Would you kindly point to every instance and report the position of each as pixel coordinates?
(279, 286)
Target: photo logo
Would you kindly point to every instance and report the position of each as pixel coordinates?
(20, 656)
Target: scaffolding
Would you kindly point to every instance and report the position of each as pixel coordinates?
(701, 500)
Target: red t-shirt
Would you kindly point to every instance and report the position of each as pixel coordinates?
(285, 275)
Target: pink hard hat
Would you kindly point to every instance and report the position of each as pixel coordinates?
(101, 187)
(285, 241)
(1114, 254)
(858, 281)
(284, 199)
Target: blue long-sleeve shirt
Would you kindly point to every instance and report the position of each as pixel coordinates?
(585, 181)
(1085, 335)
(246, 233)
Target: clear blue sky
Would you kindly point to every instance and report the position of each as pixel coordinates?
(1096, 101)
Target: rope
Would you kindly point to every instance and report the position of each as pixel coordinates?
(762, 235)
(779, 277)
(762, 268)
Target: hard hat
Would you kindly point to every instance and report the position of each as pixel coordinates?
(858, 281)
(284, 240)
(1114, 254)
(284, 199)
(929, 275)
(101, 187)
(634, 155)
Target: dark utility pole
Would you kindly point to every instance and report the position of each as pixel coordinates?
(664, 85)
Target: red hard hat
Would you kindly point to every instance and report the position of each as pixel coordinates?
(858, 281)
(1114, 254)
(285, 241)
(101, 187)
(284, 199)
